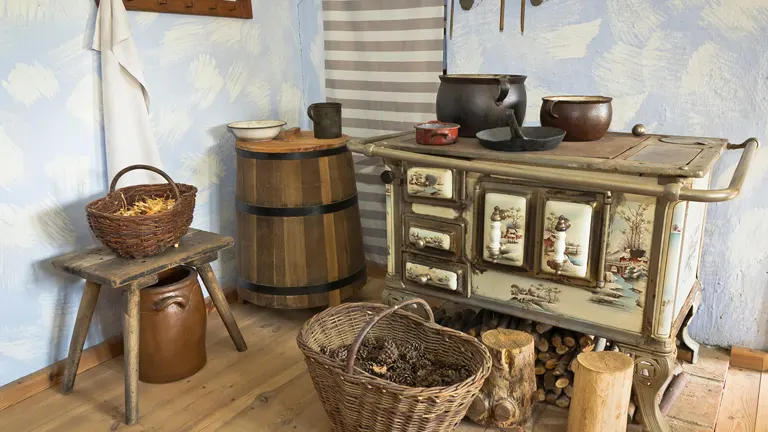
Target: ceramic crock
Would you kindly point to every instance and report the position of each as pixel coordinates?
(583, 118)
(479, 102)
(172, 327)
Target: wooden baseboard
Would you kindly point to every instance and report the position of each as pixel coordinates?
(749, 359)
(36, 382)
(50, 376)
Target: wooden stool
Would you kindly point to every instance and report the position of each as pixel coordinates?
(100, 267)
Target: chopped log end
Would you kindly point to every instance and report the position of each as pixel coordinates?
(557, 340)
(563, 401)
(605, 362)
(586, 343)
(544, 356)
(568, 390)
(557, 390)
(543, 328)
(542, 344)
(540, 395)
(506, 339)
(539, 369)
(550, 364)
(504, 412)
(562, 349)
(478, 407)
(562, 382)
(551, 398)
(569, 341)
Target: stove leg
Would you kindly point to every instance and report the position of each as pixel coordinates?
(685, 337)
(652, 370)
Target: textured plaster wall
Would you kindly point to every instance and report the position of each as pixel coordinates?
(697, 67)
(202, 73)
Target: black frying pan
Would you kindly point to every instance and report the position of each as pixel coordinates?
(518, 139)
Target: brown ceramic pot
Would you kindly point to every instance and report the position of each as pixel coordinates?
(172, 327)
(583, 118)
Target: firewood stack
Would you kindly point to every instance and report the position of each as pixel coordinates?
(556, 349)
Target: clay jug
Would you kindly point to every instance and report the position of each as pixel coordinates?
(172, 327)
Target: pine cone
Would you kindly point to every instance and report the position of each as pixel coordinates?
(388, 352)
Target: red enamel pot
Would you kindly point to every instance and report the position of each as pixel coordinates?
(437, 133)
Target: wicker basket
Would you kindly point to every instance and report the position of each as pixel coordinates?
(357, 401)
(145, 235)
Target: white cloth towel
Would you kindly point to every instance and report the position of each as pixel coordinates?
(129, 138)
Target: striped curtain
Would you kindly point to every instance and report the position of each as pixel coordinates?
(382, 62)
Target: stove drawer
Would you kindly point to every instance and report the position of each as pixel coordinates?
(434, 237)
(432, 185)
(428, 273)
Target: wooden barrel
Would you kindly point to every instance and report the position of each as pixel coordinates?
(299, 239)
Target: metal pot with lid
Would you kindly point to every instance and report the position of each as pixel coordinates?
(479, 102)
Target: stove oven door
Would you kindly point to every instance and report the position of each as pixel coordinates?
(541, 232)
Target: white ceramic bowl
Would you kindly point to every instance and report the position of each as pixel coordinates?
(256, 130)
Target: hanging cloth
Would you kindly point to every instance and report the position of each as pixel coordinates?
(127, 133)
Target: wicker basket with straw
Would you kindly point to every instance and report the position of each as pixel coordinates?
(141, 235)
(357, 401)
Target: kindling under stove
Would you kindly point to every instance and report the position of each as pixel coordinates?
(600, 237)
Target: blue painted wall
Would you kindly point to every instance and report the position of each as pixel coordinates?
(695, 67)
(202, 73)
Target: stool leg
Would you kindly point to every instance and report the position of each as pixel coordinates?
(131, 353)
(82, 322)
(217, 295)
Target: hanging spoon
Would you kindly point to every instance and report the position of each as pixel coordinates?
(522, 16)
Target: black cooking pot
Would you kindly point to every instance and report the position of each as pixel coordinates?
(479, 102)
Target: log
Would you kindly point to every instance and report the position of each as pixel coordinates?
(631, 411)
(490, 321)
(674, 390)
(549, 380)
(563, 401)
(551, 398)
(456, 319)
(572, 364)
(586, 343)
(568, 390)
(526, 325)
(439, 314)
(557, 390)
(504, 321)
(543, 328)
(557, 340)
(505, 401)
(540, 395)
(569, 340)
(563, 381)
(542, 344)
(562, 349)
(562, 364)
(544, 356)
(514, 323)
(551, 363)
(539, 369)
(601, 391)
(470, 319)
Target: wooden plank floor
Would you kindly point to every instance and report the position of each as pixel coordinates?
(267, 388)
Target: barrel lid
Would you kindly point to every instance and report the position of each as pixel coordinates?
(290, 142)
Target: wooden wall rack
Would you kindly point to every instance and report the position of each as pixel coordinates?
(220, 8)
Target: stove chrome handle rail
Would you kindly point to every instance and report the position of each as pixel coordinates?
(672, 191)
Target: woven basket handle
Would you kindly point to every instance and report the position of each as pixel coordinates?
(148, 168)
(352, 352)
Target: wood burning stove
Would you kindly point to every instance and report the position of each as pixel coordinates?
(600, 237)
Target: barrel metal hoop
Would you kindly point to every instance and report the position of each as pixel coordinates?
(302, 290)
(297, 211)
(248, 154)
